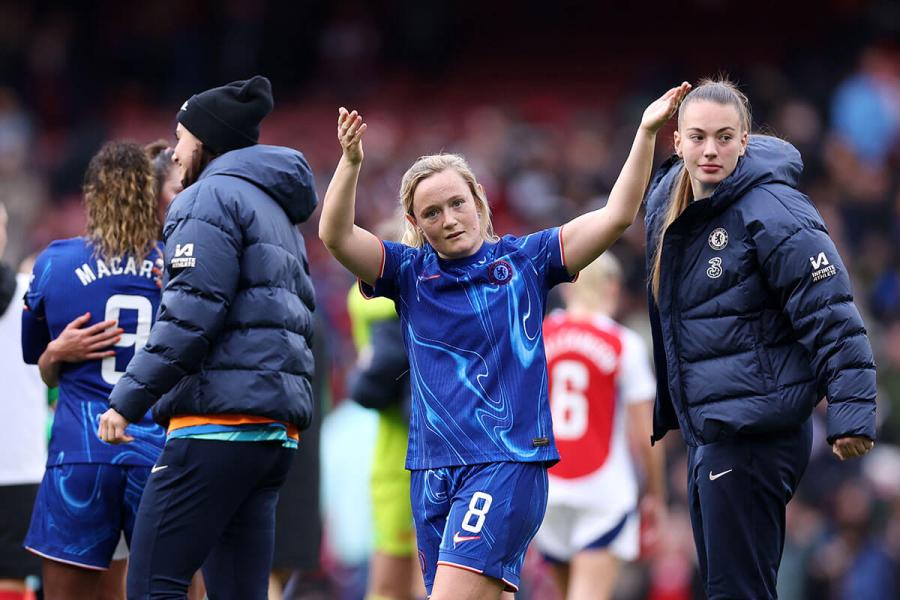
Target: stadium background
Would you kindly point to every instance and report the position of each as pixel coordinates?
(543, 99)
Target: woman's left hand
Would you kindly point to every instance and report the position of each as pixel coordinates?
(112, 428)
(851, 446)
(664, 107)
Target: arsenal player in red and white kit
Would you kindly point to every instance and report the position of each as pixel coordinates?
(601, 393)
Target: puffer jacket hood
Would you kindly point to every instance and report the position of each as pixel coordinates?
(755, 320)
(282, 173)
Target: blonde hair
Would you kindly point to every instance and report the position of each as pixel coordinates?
(120, 199)
(424, 168)
(721, 91)
(594, 279)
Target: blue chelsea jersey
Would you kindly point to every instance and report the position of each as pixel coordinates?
(69, 279)
(472, 329)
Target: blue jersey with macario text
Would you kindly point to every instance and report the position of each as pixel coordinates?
(69, 280)
(473, 332)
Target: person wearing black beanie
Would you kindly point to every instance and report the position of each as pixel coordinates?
(219, 120)
(228, 367)
(227, 117)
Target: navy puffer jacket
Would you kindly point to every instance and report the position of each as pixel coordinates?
(755, 321)
(235, 322)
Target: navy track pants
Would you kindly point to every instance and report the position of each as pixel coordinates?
(209, 503)
(738, 490)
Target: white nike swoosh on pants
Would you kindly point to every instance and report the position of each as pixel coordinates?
(717, 475)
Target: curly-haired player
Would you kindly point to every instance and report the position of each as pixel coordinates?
(89, 307)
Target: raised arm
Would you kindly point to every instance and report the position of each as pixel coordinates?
(586, 237)
(354, 247)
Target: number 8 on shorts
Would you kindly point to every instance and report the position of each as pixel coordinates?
(479, 518)
(479, 513)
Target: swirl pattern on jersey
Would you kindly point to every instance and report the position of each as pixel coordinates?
(475, 347)
(70, 279)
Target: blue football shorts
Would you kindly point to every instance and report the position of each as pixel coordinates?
(478, 517)
(82, 510)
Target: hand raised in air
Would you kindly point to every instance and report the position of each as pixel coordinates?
(662, 109)
(350, 131)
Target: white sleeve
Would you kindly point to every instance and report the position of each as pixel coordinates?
(636, 381)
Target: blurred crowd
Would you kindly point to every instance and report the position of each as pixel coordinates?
(544, 152)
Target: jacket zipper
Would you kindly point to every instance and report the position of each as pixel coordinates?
(675, 323)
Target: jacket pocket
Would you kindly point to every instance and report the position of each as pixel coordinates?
(763, 356)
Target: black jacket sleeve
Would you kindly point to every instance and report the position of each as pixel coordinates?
(384, 382)
(7, 286)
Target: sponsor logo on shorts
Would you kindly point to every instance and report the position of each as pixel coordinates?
(458, 539)
(158, 468)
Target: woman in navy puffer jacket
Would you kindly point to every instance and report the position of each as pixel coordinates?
(753, 323)
(228, 365)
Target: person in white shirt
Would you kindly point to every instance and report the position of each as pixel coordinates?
(23, 444)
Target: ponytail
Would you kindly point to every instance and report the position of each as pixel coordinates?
(682, 196)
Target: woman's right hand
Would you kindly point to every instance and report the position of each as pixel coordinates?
(350, 131)
(662, 109)
(851, 446)
(75, 344)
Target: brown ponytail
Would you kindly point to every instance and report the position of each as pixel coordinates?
(682, 196)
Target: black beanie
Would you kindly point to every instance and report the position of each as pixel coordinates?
(227, 118)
